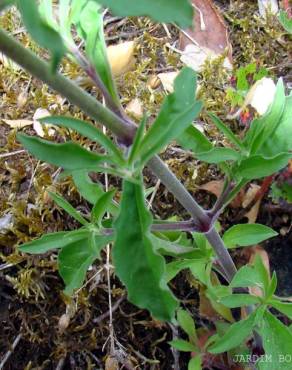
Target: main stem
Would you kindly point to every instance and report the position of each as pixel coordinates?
(124, 130)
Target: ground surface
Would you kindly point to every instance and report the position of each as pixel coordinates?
(32, 306)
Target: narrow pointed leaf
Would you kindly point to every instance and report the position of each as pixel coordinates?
(90, 23)
(218, 155)
(183, 345)
(187, 323)
(53, 241)
(137, 263)
(234, 336)
(227, 132)
(277, 343)
(75, 259)
(256, 166)
(61, 202)
(40, 31)
(101, 207)
(68, 155)
(91, 191)
(261, 128)
(239, 300)
(284, 307)
(195, 363)
(281, 139)
(193, 139)
(177, 113)
(86, 129)
(167, 11)
(137, 140)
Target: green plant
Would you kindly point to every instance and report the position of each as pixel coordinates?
(139, 250)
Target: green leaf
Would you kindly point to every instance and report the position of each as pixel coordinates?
(272, 286)
(53, 241)
(285, 21)
(187, 323)
(218, 155)
(239, 300)
(176, 114)
(88, 130)
(234, 336)
(285, 308)
(137, 263)
(101, 207)
(244, 235)
(192, 139)
(256, 166)
(261, 129)
(91, 191)
(195, 363)
(174, 267)
(75, 259)
(40, 31)
(166, 11)
(183, 345)
(46, 12)
(277, 343)
(134, 151)
(263, 273)
(68, 155)
(227, 132)
(90, 21)
(61, 202)
(247, 276)
(168, 248)
(281, 139)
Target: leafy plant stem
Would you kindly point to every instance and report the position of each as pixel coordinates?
(219, 205)
(40, 69)
(124, 130)
(235, 191)
(91, 73)
(201, 217)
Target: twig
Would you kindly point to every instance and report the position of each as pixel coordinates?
(9, 353)
(174, 351)
(107, 313)
(153, 194)
(5, 155)
(61, 363)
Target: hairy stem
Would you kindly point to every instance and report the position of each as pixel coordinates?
(125, 132)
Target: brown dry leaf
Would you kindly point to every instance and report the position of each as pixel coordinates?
(208, 39)
(121, 57)
(135, 108)
(259, 251)
(38, 127)
(111, 363)
(63, 323)
(17, 123)
(215, 187)
(22, 99)
(167, 80)
(247, 199)
(153, 82)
